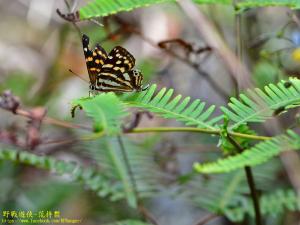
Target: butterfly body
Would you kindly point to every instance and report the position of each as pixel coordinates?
(113, 71)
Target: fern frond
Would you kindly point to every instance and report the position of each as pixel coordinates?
(109, 156)
(294, 4)
(191, 113)
(273, 204)
(105, 109)
(258, 105)
(101, 8)
(90, 177)
(97, 8)
(256, 155)
(204, 191)
(128, 222)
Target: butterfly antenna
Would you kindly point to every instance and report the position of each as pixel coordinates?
(78, 75)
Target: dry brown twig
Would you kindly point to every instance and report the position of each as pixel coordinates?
(212, 38)
(126, 27)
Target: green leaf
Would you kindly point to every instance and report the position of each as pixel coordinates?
(234, 200)
(164, 104)
(105, 109)
(227, 147)
(294, 4)
(258, 105)
(109, 156)
(92, 178)
(256, 155)
(274, 204)
(265, 72)
(101, 8)
(97, 8)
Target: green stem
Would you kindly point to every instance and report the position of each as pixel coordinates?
(251, 183)
(196, 130)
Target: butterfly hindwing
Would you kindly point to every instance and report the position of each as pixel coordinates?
(113, 73)
(119, 60)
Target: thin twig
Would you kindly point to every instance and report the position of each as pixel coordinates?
(71, 12)
(147, 214)
(207, 219)
(141, 208)
(217, 88)
(196, 130)
(210, 35)
(238, 48)
(251, 183)
(53, 121)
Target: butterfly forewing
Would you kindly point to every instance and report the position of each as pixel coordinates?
(94, 59)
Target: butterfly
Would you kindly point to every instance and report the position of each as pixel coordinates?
(111, 72)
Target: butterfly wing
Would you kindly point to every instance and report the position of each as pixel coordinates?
(94, 59)
(119, 60)
(113, 75)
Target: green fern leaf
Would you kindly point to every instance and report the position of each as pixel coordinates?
(101, 8)
(105, 109)
(234, 200)
(256, 155)
(109, 157)
(258, 105)
(274, 204)
(94, 180)
(97, 8)
(191, 113)
(294, 4)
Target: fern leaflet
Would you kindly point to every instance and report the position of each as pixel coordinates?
(256, 155)
(294, 4)
(105, 109)
(234, 200)
(97, 8)
(109, 156)
(273, 204)
(94, 180)
(101, 8)
(260, 105)
(193, 113)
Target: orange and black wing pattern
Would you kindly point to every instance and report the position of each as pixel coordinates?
(94, 59)
(111, 72)
(114, 73)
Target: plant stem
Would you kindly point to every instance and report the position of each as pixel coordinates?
(61, 123)
(207, 219)
(251, 183)
(128, 167)
(140, 205)
(212, 38)
(196, 130)
(217, 88)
